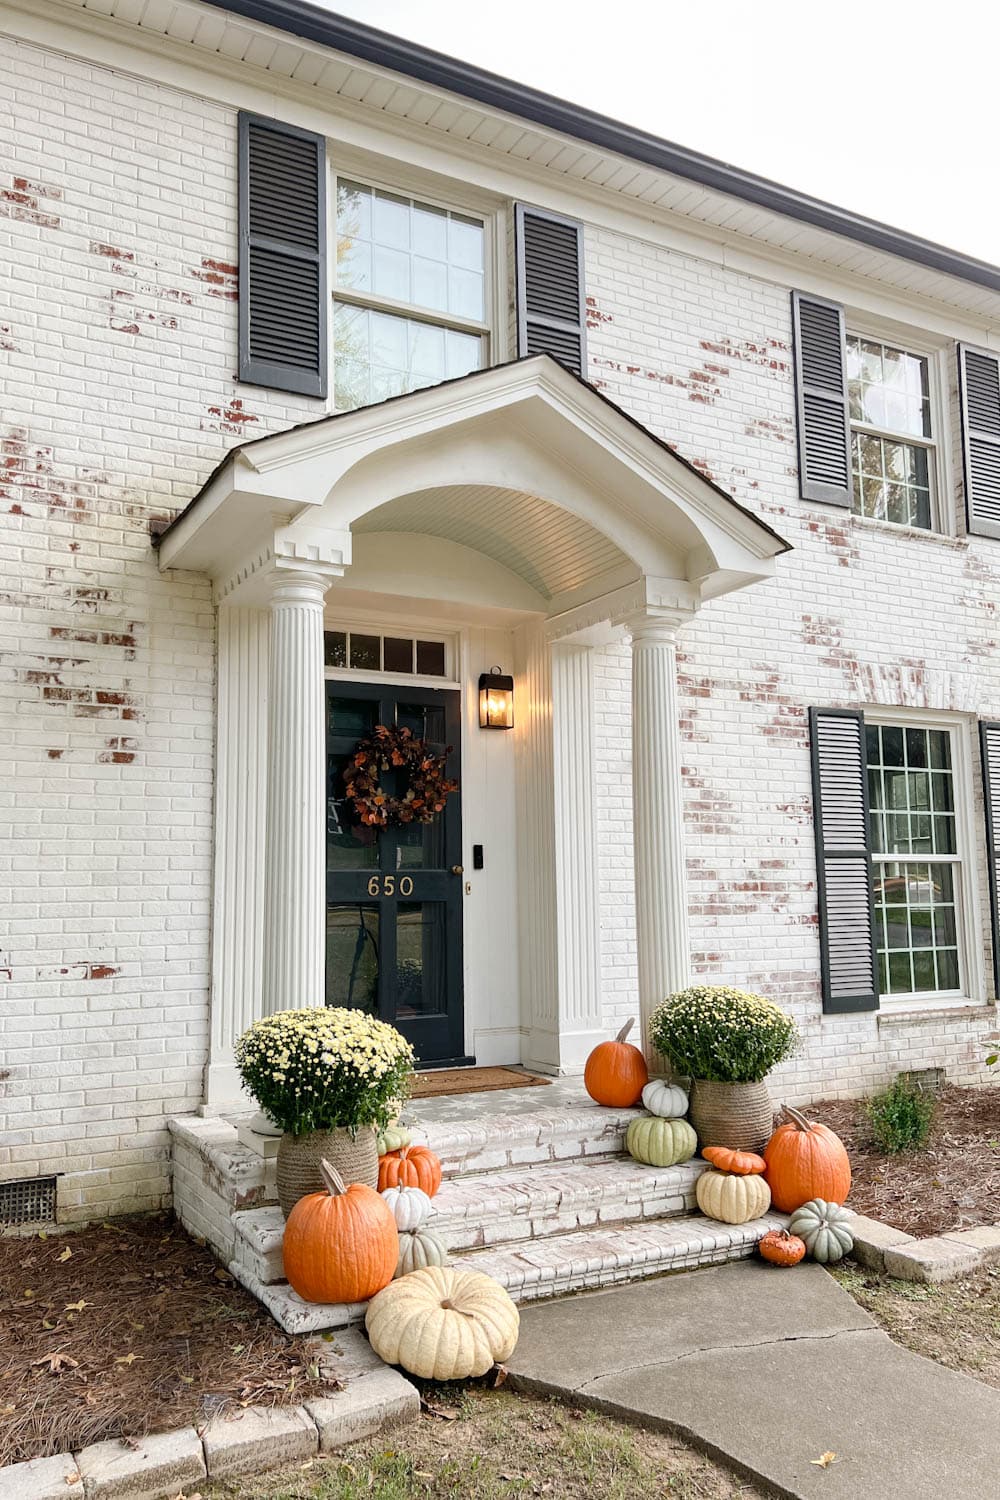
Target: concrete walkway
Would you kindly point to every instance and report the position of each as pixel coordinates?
(769, 1369)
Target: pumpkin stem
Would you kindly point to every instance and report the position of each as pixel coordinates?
(332, 1180)
(625, 1029)
(797, 1117)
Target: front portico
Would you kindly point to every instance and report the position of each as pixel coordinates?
(527, 521)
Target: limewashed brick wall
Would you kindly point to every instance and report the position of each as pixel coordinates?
(859, 613)
(117, 398)
(117, 353)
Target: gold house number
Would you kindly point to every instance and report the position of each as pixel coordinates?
(385, 885)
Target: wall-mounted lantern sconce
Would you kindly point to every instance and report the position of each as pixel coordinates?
(496, 700)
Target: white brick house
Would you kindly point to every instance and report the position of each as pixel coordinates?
(220, 546)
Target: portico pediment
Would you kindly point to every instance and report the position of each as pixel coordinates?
(523, 463)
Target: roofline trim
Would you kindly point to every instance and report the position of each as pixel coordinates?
(342, 34)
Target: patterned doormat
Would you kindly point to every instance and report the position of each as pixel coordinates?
(472, 1081)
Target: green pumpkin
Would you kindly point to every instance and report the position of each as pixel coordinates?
(392, 1138)
(825, 1227)
(419, 1248)
(659, 1142)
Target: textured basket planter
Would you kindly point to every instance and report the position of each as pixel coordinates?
(738, 1115)
(354, 1156)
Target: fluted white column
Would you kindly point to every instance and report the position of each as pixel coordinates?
(658, 815)
(240, 783)
(294, 888)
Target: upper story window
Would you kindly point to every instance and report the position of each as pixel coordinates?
(892, 443)
(410, 295)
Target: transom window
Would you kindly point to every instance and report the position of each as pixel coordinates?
(891, 439)
(370, 651)
(916, 858)
(410, 298)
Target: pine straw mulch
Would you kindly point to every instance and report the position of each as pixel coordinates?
(953, 1183)
(127, 1328)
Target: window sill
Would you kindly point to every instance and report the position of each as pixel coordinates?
(934, 1010)
(917, 533)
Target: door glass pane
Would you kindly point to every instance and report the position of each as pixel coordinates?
(420, 958)
(425, 720)
(352, 957)
(420, 846)
(349, 845)
(351, 717)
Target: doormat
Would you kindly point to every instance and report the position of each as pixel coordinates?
(472, 1081)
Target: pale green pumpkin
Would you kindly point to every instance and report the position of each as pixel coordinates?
(825, 1227)
(392, 1138)
(419, 1248)
(659, 1142)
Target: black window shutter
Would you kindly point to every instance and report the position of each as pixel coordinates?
(989, 741)
(283, 276)
(843, 860)
(979, 388)
(821, 409)
(551, 297)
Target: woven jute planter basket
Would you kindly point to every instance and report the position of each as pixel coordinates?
(355, 1157)
(737, 1115)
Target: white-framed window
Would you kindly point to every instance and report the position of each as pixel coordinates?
(411, 294)
(921, 843)
(893, 441)
(370, 650)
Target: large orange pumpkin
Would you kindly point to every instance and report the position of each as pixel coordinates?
(805, 1161)
(341, 1245)
(616, 1072)
(410, 1166)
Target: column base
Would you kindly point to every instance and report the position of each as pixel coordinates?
(563, 1052)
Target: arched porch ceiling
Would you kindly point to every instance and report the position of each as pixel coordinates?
(521, 463)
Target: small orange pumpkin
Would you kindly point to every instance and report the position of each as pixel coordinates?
(742, 1163)
(410, 1166)
(616, 1072)
(805, 1161)
(341, 1245)
(780, 1248)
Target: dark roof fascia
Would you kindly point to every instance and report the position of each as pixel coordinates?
(340, 416)
(354, 38)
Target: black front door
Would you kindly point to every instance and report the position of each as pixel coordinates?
(394, 897)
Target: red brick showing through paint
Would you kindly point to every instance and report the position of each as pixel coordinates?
(219, 277)
(21, 201)
(231, 418)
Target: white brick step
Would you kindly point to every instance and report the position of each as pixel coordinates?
(500, 1142)
(585, 1259)
(493, 1208)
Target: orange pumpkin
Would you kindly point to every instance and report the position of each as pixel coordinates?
(780, 1248)
(410, 1166)
(742, 1163)
(805, 1161)
(341, 1245)
(616, 1072)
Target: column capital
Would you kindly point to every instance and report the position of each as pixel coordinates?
(655, 626)
(291, 584)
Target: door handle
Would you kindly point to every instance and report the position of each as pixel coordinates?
(458, 869)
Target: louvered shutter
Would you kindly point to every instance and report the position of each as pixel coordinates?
(283, 280)
(979, 386)
(843, 860)
(551, 301)
(989, 741)
(822, 414)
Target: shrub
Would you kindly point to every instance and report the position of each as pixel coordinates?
(322, 1068)
(721, 1034)
(901, 1117)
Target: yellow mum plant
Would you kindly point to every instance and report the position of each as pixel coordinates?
(724, 1035)
(325, 1067)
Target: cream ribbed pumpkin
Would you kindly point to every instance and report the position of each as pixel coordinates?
(442, 1323)
(732, 1199)
(419, 1248)
(410, 1206)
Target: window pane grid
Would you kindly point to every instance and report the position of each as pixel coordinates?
(367, 651)
(911, 796)
(889, 398)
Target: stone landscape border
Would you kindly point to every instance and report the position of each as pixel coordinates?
(258, 1438)
(939, 1257)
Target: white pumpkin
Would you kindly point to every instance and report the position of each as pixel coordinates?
(410, 1206)
(419, 1248)
(664, 1099)
(730, 1198)
(443, 1323)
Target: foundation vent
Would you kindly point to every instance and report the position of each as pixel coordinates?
(30, 1201)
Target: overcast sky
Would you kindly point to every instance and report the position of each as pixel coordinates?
(886, 108)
